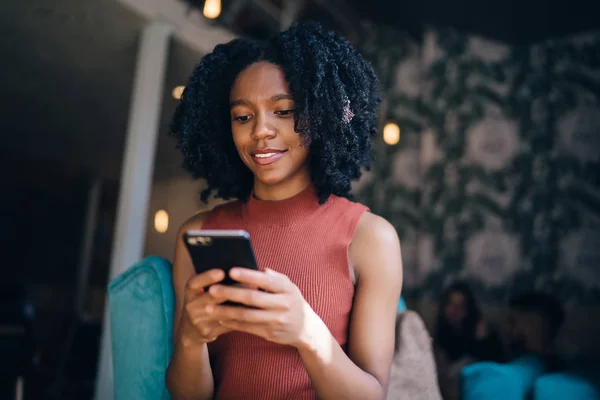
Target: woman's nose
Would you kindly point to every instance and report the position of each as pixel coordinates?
(263, 129)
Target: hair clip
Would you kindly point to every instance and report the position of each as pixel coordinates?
(348, 114)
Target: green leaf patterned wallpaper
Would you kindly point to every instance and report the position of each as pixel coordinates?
(496, 178)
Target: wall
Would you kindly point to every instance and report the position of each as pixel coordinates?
(180, 197)
(510, 194)
(496, 179)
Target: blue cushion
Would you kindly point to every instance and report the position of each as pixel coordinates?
(401, 305)
(142, 304)
(490, 380)
(566, 385)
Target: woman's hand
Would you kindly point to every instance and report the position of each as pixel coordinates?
(279, 314)
(198, 326)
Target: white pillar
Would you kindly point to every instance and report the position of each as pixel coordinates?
(136, 174)
(87, 246)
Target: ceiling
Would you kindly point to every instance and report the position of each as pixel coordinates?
(67, 65)
(511, 21)
(66, 80)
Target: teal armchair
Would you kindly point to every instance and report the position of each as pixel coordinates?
(142, 304)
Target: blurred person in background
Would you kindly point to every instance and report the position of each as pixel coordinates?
(461, 337)
(535, 319)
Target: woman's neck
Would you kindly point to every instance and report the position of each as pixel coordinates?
(280, 191)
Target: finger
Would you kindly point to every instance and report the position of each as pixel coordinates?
(249, 297)
(207, 278)
(209, 332)
(197, 283)
(245, 286)
(196, 306)
(242, 314)
(269, 280)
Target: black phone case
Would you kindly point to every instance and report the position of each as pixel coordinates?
(220, 251)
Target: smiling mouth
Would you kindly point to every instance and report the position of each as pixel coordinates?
(266, 158)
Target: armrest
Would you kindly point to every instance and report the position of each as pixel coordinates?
(142, 305)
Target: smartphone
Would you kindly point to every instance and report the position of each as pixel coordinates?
(223, 249)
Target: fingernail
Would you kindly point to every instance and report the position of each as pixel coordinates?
(209, 309)
(234, 273)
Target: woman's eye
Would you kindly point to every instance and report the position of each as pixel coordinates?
(242, 118)
(284, 112)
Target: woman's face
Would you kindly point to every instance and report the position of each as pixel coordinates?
(455, 310)
(262, 123)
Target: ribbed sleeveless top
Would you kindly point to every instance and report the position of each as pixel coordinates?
(308, 242)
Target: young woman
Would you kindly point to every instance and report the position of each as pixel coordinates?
(284, 127)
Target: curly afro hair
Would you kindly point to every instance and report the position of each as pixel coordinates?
(336, 98)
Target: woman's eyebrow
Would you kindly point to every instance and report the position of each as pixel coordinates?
(277, 97)
(238, 102)
(282, 96)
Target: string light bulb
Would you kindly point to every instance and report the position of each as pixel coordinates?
(161, 221)
(212, 9)
(391, 133)
(177, 92)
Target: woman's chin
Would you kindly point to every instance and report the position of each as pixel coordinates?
(280, 176)
(271, 178)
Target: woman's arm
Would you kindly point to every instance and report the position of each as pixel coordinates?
(364, 372)
(189, 375)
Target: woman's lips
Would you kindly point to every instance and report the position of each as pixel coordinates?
(268, 157)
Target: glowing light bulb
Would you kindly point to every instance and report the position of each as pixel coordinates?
(212, 9)
(161, 221)
(391, 133)
(178, 92)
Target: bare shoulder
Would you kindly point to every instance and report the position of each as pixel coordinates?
(182, 264)
(375, 247)
(374, 228)
(194, 222)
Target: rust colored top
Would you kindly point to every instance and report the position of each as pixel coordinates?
(308, 242)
